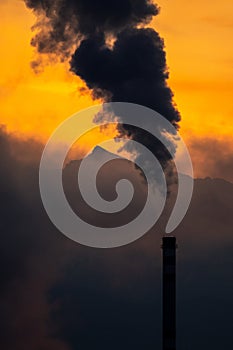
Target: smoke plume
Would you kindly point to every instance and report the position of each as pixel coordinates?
(112, 49)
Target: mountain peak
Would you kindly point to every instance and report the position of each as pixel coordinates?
(98, 150)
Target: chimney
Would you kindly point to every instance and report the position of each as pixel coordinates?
(169, 293)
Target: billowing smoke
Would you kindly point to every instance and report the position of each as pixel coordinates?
(112, 49)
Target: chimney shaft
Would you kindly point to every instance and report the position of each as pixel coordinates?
(169, 293)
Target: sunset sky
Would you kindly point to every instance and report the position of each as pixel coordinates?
(55, 292)
(199, 56)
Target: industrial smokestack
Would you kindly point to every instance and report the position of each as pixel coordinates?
(169, 293)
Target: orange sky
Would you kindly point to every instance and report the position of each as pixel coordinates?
(198, 38)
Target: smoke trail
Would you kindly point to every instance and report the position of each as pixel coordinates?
(117, 56)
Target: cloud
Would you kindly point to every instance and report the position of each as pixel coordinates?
(27, 270)
(64, 21)
(212, 157)
(56, 294)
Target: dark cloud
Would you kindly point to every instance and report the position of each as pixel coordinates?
(120, 305)
(65, 21)
(26, 236)
(89, 16)
(134, 70)
(56, 294)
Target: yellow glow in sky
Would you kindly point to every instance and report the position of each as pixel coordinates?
(32, 104)
(198, 38)
(199, 53)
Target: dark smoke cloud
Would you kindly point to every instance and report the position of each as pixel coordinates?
(63, 22)
(134, 70)
(117, 57)
(90, 16)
